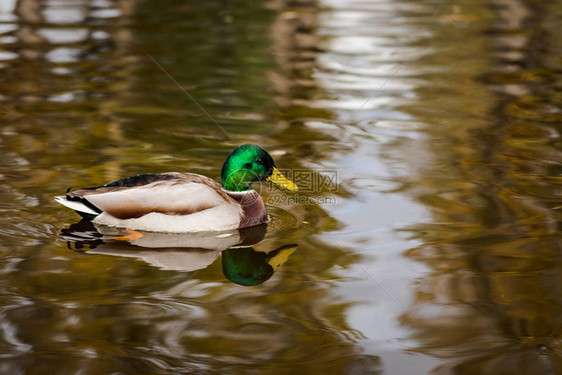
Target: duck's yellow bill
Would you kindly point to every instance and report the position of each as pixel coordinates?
(278, 179)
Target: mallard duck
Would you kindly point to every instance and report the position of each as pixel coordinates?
(183, 202)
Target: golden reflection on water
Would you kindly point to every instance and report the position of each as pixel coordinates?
(491, 304)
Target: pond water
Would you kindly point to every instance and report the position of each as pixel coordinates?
(425, 137)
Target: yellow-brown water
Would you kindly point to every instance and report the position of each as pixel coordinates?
(426, 135)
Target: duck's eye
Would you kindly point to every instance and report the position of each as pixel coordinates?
(259, 161)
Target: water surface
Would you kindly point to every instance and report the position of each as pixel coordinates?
(425, 136)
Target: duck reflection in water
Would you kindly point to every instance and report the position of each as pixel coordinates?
(241, 263)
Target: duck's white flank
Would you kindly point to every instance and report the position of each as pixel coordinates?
(223, 217)
(187, 207)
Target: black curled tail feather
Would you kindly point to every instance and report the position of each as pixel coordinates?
(85, 202)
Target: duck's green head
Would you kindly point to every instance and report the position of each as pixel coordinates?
(248, 164)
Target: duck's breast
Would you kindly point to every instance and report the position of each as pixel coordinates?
(253, 211)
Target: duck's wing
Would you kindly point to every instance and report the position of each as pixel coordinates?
(167, 193)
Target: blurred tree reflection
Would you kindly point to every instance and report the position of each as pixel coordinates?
(492, 304)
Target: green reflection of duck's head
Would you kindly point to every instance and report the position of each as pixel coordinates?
(248, 267)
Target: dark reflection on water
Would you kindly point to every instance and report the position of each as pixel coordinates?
(188, 252)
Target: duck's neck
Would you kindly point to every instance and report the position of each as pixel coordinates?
(235, 193)
(235, 181)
